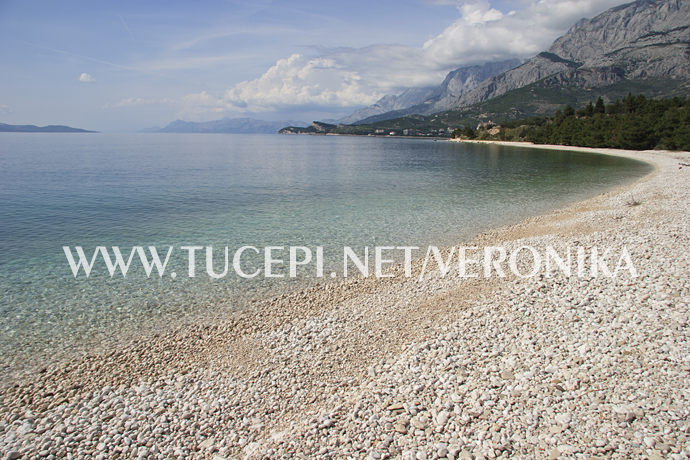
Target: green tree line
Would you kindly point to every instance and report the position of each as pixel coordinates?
(632, 123)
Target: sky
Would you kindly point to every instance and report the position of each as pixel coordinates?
(129, 65)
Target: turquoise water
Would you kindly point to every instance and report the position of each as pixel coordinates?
(232, 190)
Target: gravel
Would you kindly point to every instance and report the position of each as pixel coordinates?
(544, 367)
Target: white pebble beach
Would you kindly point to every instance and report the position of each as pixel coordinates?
(543, 367)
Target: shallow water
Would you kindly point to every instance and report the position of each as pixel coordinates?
(232, 190)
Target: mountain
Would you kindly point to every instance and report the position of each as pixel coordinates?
(5, 128)
(389, 103)
(538, 99)
(430, 99)
(465, 79)
(226, 125)
(641, 47)
(645, 39)
(317, 127)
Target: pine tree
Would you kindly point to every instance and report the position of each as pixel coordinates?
(633, 122)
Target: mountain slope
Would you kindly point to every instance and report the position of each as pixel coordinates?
(460, 81)
(643, 39)
(543, 97)
(434, 99)
(226, 125)
(641, 47)
(390, 103)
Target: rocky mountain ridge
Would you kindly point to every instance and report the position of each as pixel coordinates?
(645, 39)
(431, 99)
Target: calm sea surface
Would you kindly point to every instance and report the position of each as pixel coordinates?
(232, 190)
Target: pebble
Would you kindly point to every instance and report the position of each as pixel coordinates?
(445, 368)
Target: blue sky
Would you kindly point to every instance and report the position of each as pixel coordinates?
(128, 65)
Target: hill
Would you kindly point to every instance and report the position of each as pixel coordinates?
(642, 40)
(226, 125)
(641, 47)
(5, 128)
(632, 123)
(430, 100)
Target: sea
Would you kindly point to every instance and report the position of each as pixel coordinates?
(225, 190)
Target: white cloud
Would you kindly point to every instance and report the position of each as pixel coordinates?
(338, 78)
(199, 106)
(139, 101)
(299, 80)
(484, 33)
(347, 77)
(86, 78)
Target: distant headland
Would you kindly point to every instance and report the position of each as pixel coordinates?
(5, 128)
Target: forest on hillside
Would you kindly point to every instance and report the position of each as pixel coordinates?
(632, 123)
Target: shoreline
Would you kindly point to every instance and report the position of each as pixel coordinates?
(310, 369)
(151, 328)
(631, 154)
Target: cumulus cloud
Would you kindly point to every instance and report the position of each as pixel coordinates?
(86, 78)
(341, 78)
(485, 33)
(199, 106)
(347, 77)
(299, 80)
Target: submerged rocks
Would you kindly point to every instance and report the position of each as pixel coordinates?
(444, 368)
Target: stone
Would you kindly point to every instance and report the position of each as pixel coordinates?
(419, 423)
(442, 418)
(400, 427)
(397, 407)
(206, 444)
(564, 419)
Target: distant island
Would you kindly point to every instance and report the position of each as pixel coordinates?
(5, 128)
(224, 126)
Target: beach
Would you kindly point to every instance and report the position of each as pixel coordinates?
(444, 367)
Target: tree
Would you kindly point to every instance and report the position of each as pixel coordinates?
(616, 107)
(636, 135)
(634, 122)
